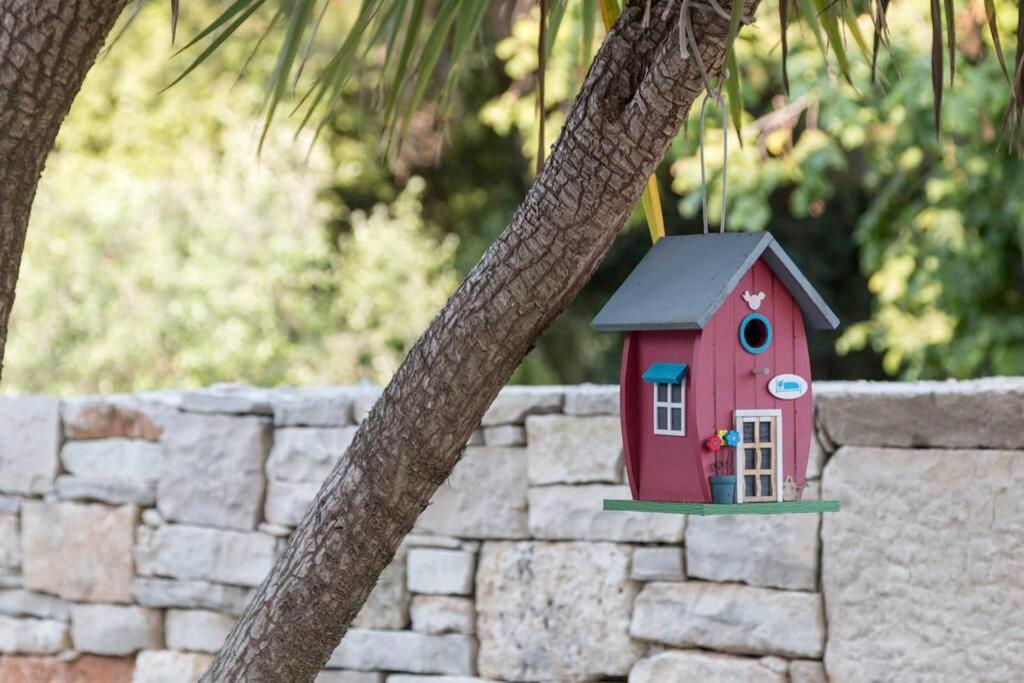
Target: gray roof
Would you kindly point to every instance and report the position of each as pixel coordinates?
(683, 280)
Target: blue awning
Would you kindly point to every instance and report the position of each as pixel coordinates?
(665, 373)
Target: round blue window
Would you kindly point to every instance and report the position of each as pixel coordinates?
(755, 333)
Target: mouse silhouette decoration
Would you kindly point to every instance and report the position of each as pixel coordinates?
(715, 382)
(753, 300)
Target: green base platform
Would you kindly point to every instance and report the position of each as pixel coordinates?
(720, 509)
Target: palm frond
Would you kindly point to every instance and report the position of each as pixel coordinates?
(936, 15)
(174, 19)
(881, 34)
(951, 38)
(829, 18)
(784, 29)
(542, 55)
(993, 27)
(733, 92)
(588, 16)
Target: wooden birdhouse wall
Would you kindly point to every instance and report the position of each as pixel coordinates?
(732, 383)
(660, 467)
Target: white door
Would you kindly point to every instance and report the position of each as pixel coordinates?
(759, 456)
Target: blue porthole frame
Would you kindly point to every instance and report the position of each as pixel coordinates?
(768, 337)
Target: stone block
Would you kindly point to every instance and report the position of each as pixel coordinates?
(213, 470)
(922, 568)
(387, 608)
(302, 454)
(657, 564)
(131, 459)
(440, 614)
(730, 618)
(441, 572)
(312, 407)
(573, 450)
(166, 666)
(514, 403)
(78, 551)
(413, 678)
(983, 413)
(337, 676)
(816, 458)
(110, 491)
(278, 530)
(775, 551)
(84, 669)
(534, 600)
(115, 629)
(32, 636)
(592, 399)
(10, 580)
(153, 592)
(365, 398)
(190, 552)
(110, 417)
(807, 671)
(405, 651)
(505, 435)
(196, 630)
(29, 443)
(575, 513)
(228, 398)
(485, 497)
(10, 542)
(22, 603)
(151, 517)
(287, 501)
(417, 540)
(673, 666)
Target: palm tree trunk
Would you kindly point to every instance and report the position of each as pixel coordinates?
(631, 105)
(46, 48)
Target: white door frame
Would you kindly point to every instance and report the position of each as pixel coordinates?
(738, 416)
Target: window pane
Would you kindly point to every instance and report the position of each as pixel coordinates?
(662, 418)
(748, 431)
(749, 455)
(766, 484)
(766, 430)
(748, 484)
(662, 392)
(677, 419)
(766, 458)
(677, 393)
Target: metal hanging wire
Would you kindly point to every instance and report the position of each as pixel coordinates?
(725, 157)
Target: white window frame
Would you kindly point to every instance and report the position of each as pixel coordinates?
(738, 416)
(669, 405)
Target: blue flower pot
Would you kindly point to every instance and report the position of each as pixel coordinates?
(723, 488)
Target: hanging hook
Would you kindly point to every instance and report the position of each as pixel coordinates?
(725, 157)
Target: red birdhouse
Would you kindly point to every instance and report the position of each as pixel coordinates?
(715, 383)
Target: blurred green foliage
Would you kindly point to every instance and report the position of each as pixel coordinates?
(162, 252)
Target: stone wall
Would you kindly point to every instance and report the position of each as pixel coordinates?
(134, 528)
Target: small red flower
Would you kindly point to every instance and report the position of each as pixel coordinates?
(714, 443)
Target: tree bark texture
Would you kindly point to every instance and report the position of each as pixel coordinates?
(46, 48)
(635, 97)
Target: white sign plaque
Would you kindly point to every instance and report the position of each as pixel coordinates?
(787, 387)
